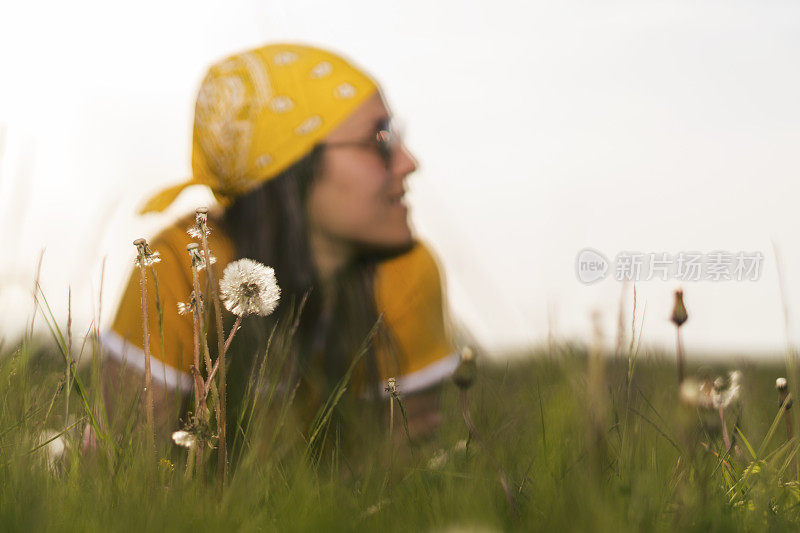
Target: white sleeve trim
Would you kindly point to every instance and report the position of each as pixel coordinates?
(125, 352)
(425, 377)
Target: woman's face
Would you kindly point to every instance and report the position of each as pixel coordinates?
(357, 199)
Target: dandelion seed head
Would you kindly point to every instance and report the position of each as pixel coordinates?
(695, 393)
(722, 399)
(249, 288)
(781, 384)
(197, 256)
(202, 264)
(146, 256)
(705, 394)
(190, 306)
(183, 438)
(55, 449)
(152, 259)
(438, 460)
(465, 372)
(196, 233)
(148, 259)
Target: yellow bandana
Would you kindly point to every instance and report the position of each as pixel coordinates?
(260, 111)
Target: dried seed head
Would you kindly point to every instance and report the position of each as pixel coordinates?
(191, 305)
(679, 315)
(465, 372)
(249, 288)
(195, 232)
(197, 257)
(146, 257)
(200, 228)
(781, 384)
(391, 386)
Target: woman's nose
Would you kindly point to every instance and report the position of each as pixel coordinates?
(403, 161)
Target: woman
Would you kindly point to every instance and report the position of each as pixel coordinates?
(297, 146)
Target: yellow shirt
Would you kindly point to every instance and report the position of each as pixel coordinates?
(407, 290)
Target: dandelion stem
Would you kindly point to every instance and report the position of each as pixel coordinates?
(391, 416)
(227, 346)
(199, 411)
(232, 333)
(222, 465)
(141, 246)
(725, 437)
(199, 386)
(681, 371)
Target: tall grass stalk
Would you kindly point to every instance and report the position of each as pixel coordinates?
(68, 357)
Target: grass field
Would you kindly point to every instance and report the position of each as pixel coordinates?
(617, 455)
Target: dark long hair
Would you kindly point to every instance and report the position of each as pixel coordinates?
(269, 225)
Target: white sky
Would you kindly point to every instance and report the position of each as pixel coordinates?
(542, 128)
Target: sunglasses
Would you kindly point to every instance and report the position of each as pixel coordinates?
(383, 142)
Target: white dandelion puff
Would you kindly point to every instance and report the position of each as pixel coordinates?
(183, 438)
(706, 394)
(249, 288)
(724, 397)
(54, 445)
(695, 393)
(781, 384)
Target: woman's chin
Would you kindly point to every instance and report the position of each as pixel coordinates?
(390, 245)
